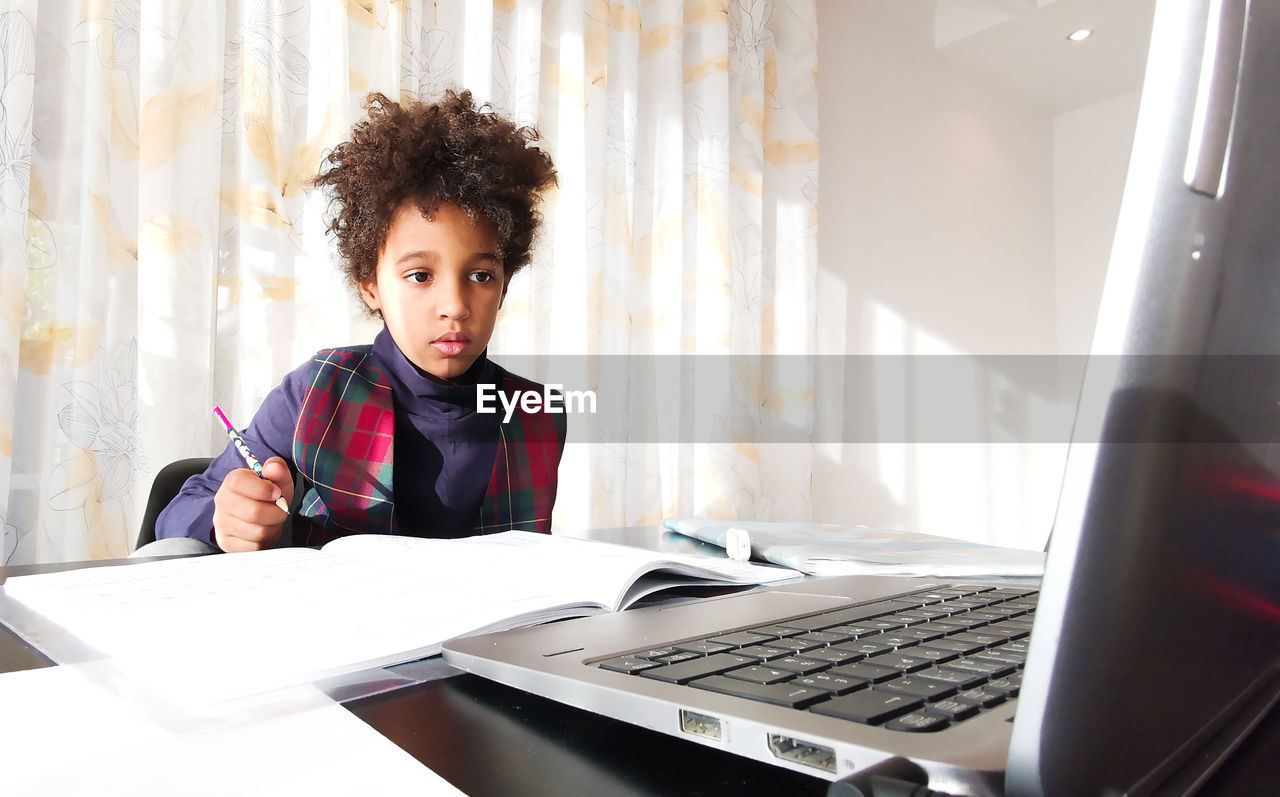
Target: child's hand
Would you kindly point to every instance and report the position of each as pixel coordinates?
(245, 516)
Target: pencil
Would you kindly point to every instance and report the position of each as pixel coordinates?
(246, 454)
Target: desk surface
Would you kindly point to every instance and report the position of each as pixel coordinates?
(489, 739)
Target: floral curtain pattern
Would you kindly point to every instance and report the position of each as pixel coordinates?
(161, 251)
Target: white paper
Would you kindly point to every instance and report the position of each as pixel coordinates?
(839, 549)
(202, 631)
(62, 735)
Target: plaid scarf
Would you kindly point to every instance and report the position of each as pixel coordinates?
(343, 445)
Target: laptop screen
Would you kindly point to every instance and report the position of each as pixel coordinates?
(1162, 569)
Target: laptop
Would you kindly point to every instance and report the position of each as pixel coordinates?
(1151, 647)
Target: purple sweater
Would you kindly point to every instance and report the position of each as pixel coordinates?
(444, 450)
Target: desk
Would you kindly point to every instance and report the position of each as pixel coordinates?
(489, 739)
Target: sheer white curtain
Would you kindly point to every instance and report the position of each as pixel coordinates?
(161, 251)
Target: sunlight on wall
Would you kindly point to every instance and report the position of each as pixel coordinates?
(998, 481)
(792, 286)
(890, 336)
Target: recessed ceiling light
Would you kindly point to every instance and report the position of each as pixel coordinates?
(1079, 35)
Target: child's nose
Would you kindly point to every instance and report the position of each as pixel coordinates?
(452, 300)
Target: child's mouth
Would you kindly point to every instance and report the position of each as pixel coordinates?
(449, 348)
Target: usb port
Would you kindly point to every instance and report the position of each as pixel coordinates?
(696, 724)
(807, 753)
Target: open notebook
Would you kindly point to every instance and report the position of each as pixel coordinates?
(1154, 641)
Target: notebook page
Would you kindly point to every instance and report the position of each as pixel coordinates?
(216, 628)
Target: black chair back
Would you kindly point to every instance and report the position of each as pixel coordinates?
(166, 485)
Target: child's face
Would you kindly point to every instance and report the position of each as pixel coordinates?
(439, 285)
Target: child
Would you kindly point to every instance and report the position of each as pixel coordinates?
(436, 210)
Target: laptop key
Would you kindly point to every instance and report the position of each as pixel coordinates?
(855, 631)
(955, 645)
(934, 655)
(774, 630)
(929, 597)
(797, 644)
(1014, 657)
(784, 694)
(627, 664)
(867, 647)
(702, 646)
(957, 678)
(686, 671)
(825, 637)
(1025, 603)
(964, 590)
(1015, 592)
(897, 639)
(1005, 610)
(882, 624)
(740, 639)
(983, 639)
(918, 687)
(908, 601)
(1009, 629)
(991, 669)
(989, 616)
(961, 621)
(968, 603)
(835, 684)
(799, 665)
(834, 655)
(864, 672)
(899, 661)
(924, 613)
(932, 628)
(922, 634)
(918, 722)
(869, 706)
(980, 698)
(760, 675)
(1009, 686)
(953, 710)
(871, 610)
(903, 619)
(762, 652)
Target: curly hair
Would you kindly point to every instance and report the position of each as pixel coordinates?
(448, 152)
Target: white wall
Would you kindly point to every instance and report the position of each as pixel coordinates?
(1090, 158)
(943, 209)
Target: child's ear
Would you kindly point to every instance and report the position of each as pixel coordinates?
(369, 292)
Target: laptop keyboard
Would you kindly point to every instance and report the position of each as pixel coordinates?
(917, 663)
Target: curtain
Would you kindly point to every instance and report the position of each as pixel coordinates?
(162, 252)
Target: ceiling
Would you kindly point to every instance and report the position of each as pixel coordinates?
(1020, 46)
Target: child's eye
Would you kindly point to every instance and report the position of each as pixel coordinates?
(482, 276)
(418, 276)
